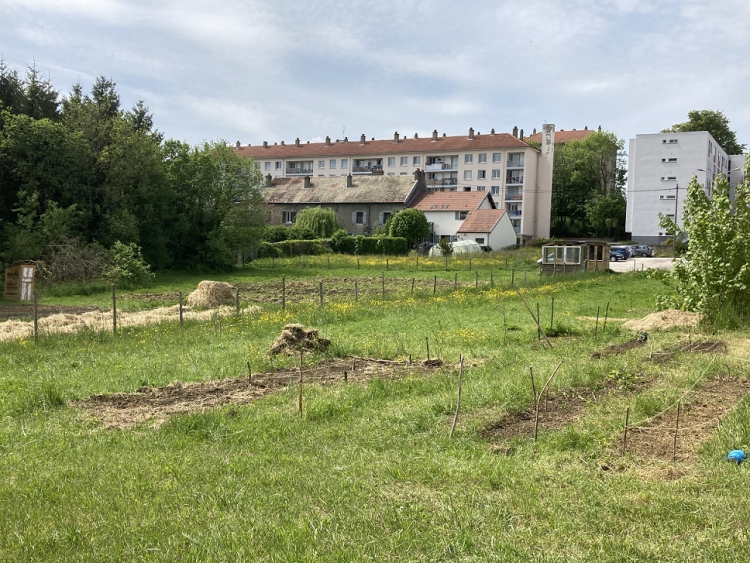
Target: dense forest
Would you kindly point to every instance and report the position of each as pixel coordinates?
(81, 175)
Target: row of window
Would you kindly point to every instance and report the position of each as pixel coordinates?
(513, 160)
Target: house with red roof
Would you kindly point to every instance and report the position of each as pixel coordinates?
(488, 227)
(447, 211)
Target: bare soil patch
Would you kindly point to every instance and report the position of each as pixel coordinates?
(155, 404)
(699, 346)
(700, 415)
(561, 409)
(617, 349)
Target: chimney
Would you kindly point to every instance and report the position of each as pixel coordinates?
(585, 127)
(445, 134)
(515, 131)
(268, 180)
(395, 137)
(434, 135)
(238, 145)
(416, 136)
(346, 139)
(471, 133)
(282, 143)
(349, 183)
(600, 129)
(522, 134)
(307, 181)
(492, 132)
(328, 141)
(296, 142)
(416, 174)
(265, 144)
(534, 131)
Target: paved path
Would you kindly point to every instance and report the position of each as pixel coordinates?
(638, 264)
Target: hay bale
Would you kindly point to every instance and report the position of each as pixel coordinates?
(211, 294)
(294, 337)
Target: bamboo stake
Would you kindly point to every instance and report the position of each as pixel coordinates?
(533, 317)
(412, 285)
(492, 280)
(434, 286)
(427, 343)
(533, 385)
(512, 276)
(676, 429)
(383, 279)
(455, 280)
(237, 299)
(283, 294)
(538, 325)
(358, 263)
(249, 373)
(301, 352)
(458, 402)
(476, 279)
(625, 431)
(446, 262)
(596, 328)
(536, 404)
(320, 294)
(356, 290)
(606, 314)
(552, 315)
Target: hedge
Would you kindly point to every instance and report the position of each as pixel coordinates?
(297, 247)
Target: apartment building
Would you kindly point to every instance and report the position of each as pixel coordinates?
(517, 175)
(660, 167)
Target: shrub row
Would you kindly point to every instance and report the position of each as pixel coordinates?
(340, 243)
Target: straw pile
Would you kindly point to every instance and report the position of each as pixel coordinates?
(64, 323)
(663, 320)
(294, 338)
(211, 294)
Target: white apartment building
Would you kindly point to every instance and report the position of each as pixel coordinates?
(660, 167)
(518, 176)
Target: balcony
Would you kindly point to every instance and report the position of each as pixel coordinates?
(299, 168)
(514, 214)
(367, 169)
(513, 196)
(514, 180)
(441, 182)
(441, 167)
(514, 163)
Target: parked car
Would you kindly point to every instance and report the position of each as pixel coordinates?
(617, 254)
(643, 250)
(625, 250)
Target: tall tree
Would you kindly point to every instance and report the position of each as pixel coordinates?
(716, 123)
(320, 220)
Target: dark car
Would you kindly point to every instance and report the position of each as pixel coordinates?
(625, 250)
(617, 254)
(643, 250)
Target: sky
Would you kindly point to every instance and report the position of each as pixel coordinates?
(273, 70)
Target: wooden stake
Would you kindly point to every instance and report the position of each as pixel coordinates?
(410, 359)
(412, 285)
(470, 264)
(446, 262)
(417, 262)
(283, 294)
(301, 352)
(538, 324)
(676, 429)
(536, 405)
(596, 328)
(181, 319)
(625, 431)
(533, 385)
(505, 326)
(512, 277)
(237, 299)
(36, 316)
(427, 343)
(606, 314)
(458, 402)
(346, 377)
(358, 263)
(383, 286)
(386, 264)
(434, 286)
(552, 315)
(535, 319)
(320, 294)
(249, 373)
(356, 290)
(492, 280)
(114, 311)
(455, 280)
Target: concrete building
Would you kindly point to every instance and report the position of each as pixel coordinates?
(517, 175)
(660, 167)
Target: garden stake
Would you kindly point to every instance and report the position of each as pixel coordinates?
(512, 276)
(328, 257)
(427, 343)
(596, 328)
(346, 377)
(470, 264)
(417, 262)
(533, 385)
(36, 316)
(492, 280)
(536, 404)
(320, 294)
(358, 263)
(476, 279)
(606, 314)
(536, 320)
(455, 280)
(552, 315)
(505, 326)
(383, 286)
(625, 431)
(538, 325)
(181, 321)
(237, 299)
(412, 285)
(409, 359)
(676, 428)
(446, 262)
(386, 264)
(356, 290)
(283, 294)
(114, 311)
(301, 352)
(434, 285)
(249, 373)
(524, 276)
(458, 402)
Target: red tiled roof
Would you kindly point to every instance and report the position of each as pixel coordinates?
(369, 148)
(450, 201)
(561, 136)
(481, 221)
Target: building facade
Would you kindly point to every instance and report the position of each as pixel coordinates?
(660, 167)
(517, 175)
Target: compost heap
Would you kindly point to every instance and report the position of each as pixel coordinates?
(211, 294)
(663, 320)
(294, 338)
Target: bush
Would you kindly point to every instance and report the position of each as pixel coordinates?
(275, 233)
(393, 246)
(269, 250)
(125, 266)
(342, 243)
(296, 232)
(72, 260)
(300, 247)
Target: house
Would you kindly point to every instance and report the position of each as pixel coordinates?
(488, 227)
(660, 167)
(518, 175)
(447, 211)
(362, 204)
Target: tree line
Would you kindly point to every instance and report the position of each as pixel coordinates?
(81, 168)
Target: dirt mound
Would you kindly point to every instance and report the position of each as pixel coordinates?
(663, 320)
(294, 338)
(211, 294)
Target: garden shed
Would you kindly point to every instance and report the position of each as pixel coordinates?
(575, 256)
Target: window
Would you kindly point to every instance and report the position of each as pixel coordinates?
(415, 160)
(384, 216)
(467, 174)
(468, 158)
(668, 178)
(480, 240)
(481, 188)
(467, 188)
(278, 166)
(359, 217)
(461, 215)
(288, 217)
(670, 141)
(496, 157)
(402, 174)
(495, 190)
(391, 161)
(482, 158)
(495, 174)
(673, 159)
(321, 164)
(267, 166)
(404, 160)
(344, 163)
(572, 255)
(481, 174)
(331, 163)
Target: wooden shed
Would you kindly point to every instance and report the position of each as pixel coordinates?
(575, 256)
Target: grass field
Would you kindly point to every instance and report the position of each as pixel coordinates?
(368, 472)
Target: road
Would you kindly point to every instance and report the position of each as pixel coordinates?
(638, 264)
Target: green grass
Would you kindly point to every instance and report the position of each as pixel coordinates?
(368, 473)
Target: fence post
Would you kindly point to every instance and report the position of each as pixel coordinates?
(36, 317)
(181, 319)
(114, 311)
(283, 294)
(320, 294)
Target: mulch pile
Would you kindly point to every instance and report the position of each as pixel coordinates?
(294, 338)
